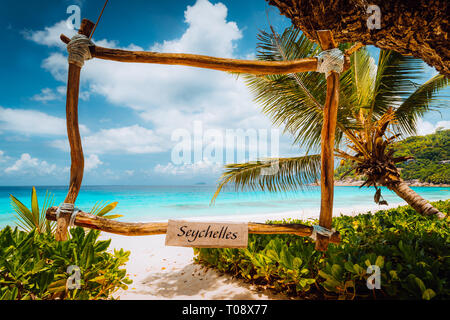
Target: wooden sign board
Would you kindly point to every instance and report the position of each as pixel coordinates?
(207, 234)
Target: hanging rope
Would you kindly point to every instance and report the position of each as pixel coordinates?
(65, 207)
(330, 60)
(98, 20)
(68, 208)
(321, 230)
(78, 49)
(73, 217)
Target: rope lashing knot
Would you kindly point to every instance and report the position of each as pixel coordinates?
(321, 230)
(330, 60)
(78, 49)
(68, 208)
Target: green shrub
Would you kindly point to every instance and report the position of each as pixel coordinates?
(412, 252)
(34, 266)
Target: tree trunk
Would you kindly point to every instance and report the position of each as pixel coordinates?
(412, 27)
(418, 203)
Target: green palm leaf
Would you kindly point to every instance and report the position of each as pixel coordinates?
(49, 201)
(101, 209)
(423, 99)
(395, 80)
(33, 219)
(278, 174)
(294, 101)
(24, 215)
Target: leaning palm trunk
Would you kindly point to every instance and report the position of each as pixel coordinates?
(414, 200)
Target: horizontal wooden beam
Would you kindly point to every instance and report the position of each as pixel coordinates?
(90, 221)
(256, 67)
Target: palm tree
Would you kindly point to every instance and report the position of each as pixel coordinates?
(378, 104)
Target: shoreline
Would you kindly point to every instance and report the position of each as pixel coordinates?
(301, 214)
(356, 183)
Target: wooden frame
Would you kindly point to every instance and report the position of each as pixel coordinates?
(327, 144)
(230, 65)
(73, 133)
(90, 221)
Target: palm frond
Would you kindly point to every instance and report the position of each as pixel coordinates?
(35, 210)
(33, 219)
(278, 174)
(24, 215)
(294, 101)
(395, 80)
(101, 208)
(49, 201)
(422, 100)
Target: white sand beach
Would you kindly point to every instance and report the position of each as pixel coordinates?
(162, 272)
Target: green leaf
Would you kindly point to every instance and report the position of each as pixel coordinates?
(57, 286)
(287, 174)
(35, 206)
(420, 284)
(428, 294)
(297, 263)
(380, 261)
(336, 271)
(107, 208)
(102, 245)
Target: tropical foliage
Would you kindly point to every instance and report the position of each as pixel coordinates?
(410, 250)
(33, 266)
(430, 155)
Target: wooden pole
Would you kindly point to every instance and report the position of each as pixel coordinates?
(73, 133)
(327, 144)
(256, 67)
(90, 221)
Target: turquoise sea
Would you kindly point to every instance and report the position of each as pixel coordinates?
(150, 203)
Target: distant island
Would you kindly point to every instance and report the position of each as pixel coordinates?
(430, 166)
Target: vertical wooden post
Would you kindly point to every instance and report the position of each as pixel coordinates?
(327, 144)
(73, 133)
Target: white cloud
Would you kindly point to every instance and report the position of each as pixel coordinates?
(48, 94)
(200, 167)
(172, 97)
(133, 139)
(50, 35)
(32, 122)
(208, 32)
(92, 162)
(27, 164)
(3, 157)
(56, 63)
(426, 127)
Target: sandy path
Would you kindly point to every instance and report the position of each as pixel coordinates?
(160, 272)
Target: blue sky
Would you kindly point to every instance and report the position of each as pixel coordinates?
(128, 113)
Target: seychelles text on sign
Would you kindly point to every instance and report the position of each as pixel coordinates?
(207, 234)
